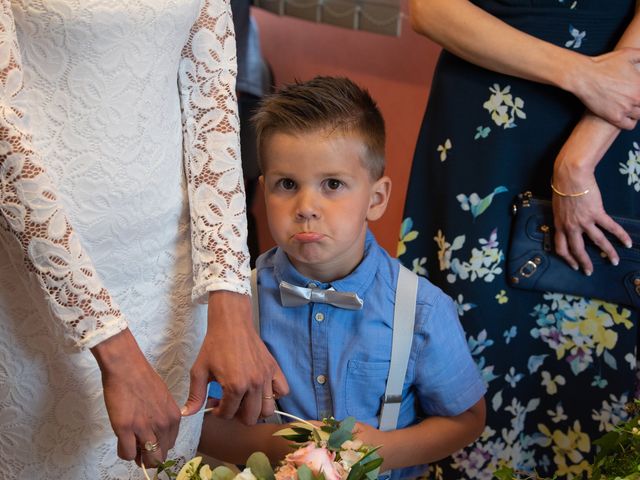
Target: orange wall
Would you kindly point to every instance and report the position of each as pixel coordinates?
(396, 70)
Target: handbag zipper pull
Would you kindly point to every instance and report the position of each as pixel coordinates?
(546, 237)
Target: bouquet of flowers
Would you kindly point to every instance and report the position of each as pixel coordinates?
(326, 452)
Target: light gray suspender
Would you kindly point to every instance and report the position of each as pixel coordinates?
(404, 315)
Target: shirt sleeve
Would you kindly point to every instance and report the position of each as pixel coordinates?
(212, 154)
(33, 222)
(447, 379)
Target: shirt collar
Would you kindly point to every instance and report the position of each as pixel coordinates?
(357, 281)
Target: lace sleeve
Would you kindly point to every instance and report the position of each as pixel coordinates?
(212, 153)
(33, 220)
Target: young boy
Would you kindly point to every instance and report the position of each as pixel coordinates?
(321, 150)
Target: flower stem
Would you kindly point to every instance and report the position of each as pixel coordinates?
(284, 414)
(144, 471)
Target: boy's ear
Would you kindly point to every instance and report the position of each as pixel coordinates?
(380, 192)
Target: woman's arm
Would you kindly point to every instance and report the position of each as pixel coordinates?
(574, 171)
(608, 85)
(232, 352)
(33, 221)
(428, 441)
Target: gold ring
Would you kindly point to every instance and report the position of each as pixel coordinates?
(268, 397)
(151, 447)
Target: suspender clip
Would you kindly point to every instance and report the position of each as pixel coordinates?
(393, 399)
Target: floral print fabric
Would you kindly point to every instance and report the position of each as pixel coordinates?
(559, 368)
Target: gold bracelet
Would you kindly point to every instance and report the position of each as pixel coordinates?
(562, 194)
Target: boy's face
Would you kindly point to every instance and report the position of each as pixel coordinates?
(319, 197)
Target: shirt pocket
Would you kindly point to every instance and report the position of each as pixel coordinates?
(365, 386)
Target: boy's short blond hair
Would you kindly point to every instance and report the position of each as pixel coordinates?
(320, 104)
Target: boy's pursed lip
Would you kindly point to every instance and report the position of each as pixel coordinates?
(308, 237)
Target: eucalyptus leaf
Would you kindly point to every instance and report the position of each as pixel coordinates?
(222, 473)
(304, 473)
(260, 466)
(342, 434)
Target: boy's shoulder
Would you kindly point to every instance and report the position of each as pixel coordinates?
(388, 267)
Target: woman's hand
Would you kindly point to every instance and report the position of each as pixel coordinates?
(233, 354)
(141, 408)
(574, 217)
(609, 86)
(582, 215)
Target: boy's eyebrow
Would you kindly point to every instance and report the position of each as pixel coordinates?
(339, 173)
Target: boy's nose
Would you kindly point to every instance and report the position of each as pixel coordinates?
(306, 207)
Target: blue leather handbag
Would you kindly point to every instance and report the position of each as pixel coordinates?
(533, 265)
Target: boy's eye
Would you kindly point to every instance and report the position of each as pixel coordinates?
(333, 184)
(287, 184)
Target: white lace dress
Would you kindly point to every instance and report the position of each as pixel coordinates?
(121, 198)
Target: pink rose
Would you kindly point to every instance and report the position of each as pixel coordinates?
(318, 459)
(286, 472)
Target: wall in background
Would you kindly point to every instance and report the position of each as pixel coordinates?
(396, 70)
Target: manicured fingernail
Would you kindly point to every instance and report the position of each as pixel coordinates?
(588, 273)
(615, 262)
(183, 411)
(628, 244)
(575, 267)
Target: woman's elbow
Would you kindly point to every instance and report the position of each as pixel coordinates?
(416, 15)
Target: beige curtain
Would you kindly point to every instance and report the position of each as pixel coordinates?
(378, 16)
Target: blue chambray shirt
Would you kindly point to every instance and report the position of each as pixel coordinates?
(337, 360)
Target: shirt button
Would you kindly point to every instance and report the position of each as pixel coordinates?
(319, 317)
(321, 379)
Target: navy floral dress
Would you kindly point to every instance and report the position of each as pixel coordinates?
(559, 368)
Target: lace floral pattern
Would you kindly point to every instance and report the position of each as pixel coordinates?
(121, 197)
(33, 214)
(211, 124)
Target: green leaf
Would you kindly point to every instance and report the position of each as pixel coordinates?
(372, 464)
(371, 454)
(166, 468)
(342, 434)
(304, 426)
(357, 472)
(260, 466)
(222, 473)
(293, 431)
(190, 469)
(304, 473)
